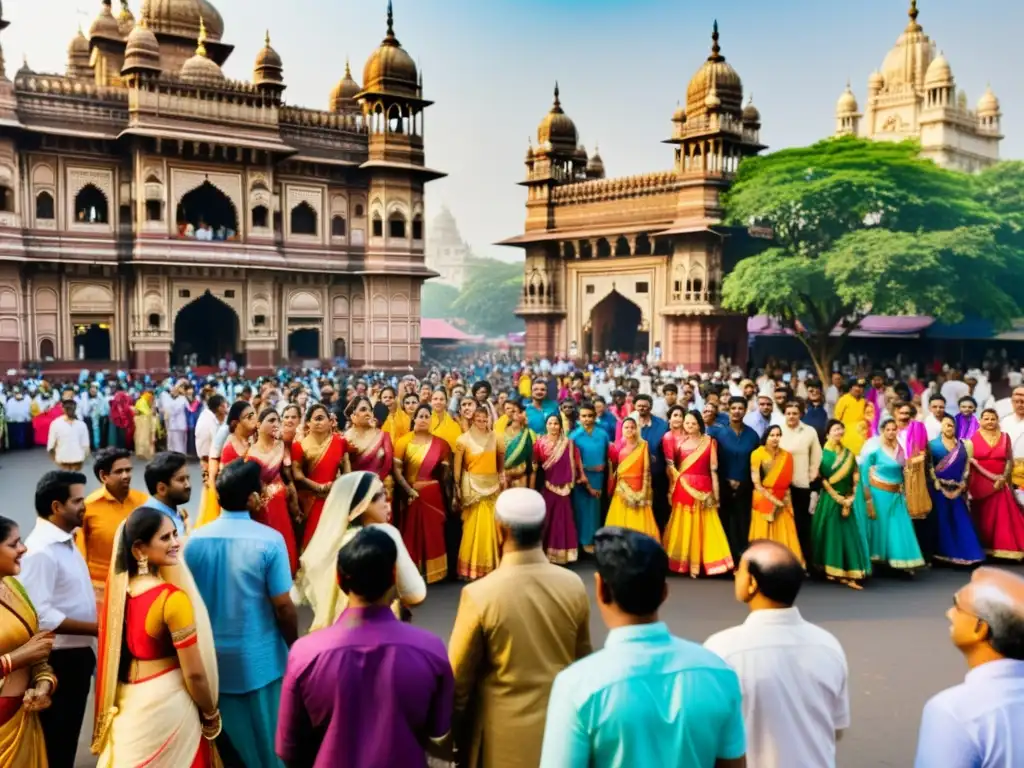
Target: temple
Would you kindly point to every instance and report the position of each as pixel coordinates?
(914, 96)
(154, 213)
(635, 264)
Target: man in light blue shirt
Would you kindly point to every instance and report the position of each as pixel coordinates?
(980, 723)
(540, 408)
(759, 420)
(241, 569)
(169, 487)
(647, 698)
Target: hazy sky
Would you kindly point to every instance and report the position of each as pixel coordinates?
(490, 66)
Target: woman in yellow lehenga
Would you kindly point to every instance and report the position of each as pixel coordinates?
(857, 414)
(145, 427)
(771, 469)
(27, 680)
(631, 500)
(478, 467)
(441, 422)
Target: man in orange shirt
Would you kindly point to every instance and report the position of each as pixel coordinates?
(105, 509)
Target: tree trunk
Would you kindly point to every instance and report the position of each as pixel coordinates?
(823, 349)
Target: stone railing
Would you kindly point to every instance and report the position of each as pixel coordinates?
(600, 190)
(301, 117)
(241, 104)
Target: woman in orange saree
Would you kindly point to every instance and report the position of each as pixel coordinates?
(771, 469)
(27, 680)
(421, 462)
(154, 635)
(631, 499)
(316, 463)
(694, 537)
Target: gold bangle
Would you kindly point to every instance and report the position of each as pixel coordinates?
(46, 677)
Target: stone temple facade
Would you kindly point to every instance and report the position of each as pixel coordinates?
(635, 264)
(155, 213)
(447, 253)
(914, 96)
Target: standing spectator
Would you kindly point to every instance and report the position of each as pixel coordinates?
(169, 487)
(816, 414)
(68, 440)
(648, 698)
(174, 407)
(793, 673)
(736, 443)
(762, 417)
(516, 629)
(802, 443)
(241, 570)
(56, 578)
(368, 690)
(105, 509)
(19, 420)
(980, 723)
(653, 431)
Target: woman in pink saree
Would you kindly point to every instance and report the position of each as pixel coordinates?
(997, 516)
(555, 456)
(275, 462)
(369, 448)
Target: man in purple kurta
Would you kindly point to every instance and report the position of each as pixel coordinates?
(369, 691)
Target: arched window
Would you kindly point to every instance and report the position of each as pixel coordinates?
(91, 206)
(46, 351)
(6, 199)
(154, 321)
(396, 225)
(378, 225)
(417, 227)
(338, 226)
(303, 219)
(260, 217)
(44, 206)
(206, 213)
(359, 212)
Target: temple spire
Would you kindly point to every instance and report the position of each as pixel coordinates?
(391, 20)
(558, 103)
(912, 13)
(716, 49)
(201, 47)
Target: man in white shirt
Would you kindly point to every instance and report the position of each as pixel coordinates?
(1013, 425)
(802, 442)
(953, 388)
(56, 577)
(833, 393)
(68, 440)
(19, 420)
(793, 673)
(933, 421)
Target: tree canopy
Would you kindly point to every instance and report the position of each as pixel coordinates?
(436, 300)
(489, 297)
(863, 227)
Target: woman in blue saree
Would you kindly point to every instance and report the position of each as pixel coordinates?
(891, 537)
(957, 542)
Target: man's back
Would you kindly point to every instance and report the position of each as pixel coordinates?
(238, 565)
(646, 699)
(517, 628)
(794, 680)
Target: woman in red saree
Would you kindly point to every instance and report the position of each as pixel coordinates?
(242, 425)
(268, 451)
(421, 463)
(316, 463)
(369, 448)
(999, 520)
(154, 634)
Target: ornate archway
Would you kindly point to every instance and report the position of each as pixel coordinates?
(616, 326)
(207, 328)
(207, 205)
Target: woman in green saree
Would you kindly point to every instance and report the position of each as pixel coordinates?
(838, 544)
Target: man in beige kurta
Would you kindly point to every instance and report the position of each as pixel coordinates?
(516, 629)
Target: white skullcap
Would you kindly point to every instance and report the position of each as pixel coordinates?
(520, 506)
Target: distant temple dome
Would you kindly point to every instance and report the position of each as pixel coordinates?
(200, 68)
(105, 26)
(142, 51)
(268, 67)
(182, 18)
(343, 95)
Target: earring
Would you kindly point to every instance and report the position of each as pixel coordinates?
(143, 566)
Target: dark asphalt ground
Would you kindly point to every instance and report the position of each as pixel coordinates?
(894, 632)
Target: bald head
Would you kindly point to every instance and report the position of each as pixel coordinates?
(776, 570)
(996, 597)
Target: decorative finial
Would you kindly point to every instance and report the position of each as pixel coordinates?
(716, 49)
(201, 48)
(348, 69)
(558, 103)
(266, 40)
(391, 20)
(912, 13)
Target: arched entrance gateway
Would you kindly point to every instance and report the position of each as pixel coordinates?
(208, 329)
(616, 326)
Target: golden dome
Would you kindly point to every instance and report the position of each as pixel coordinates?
(105, 25)
(581, 154)
(390, 69)
(79, 45)
(714, 75)
(751, 114)
(125, 19)
(268, 67)
(557, 130)
(142, 50)
(181, 18)
(847, 104)
(343, 95)
(595, 168)
(200, 68)
(679, 116)
(939, 73)
(988, 105)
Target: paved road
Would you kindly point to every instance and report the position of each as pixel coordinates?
(894, 633)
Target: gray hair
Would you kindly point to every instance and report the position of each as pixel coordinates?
(526, 536)
(1005, 624)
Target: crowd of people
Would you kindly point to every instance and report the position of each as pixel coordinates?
(351, 495)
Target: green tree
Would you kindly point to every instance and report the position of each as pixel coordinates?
(436, 300)
(489, 297)
(863, 227)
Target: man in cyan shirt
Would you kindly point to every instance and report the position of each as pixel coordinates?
(369, 690)
(241, 569)
(648, 698)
